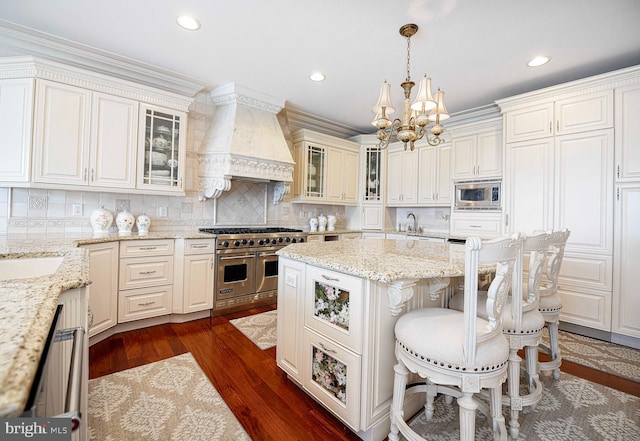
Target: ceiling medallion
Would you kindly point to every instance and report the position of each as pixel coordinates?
(425, 109)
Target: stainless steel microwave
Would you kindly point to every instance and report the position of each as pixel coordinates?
(478, 195)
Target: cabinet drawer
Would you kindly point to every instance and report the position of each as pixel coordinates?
(333, 306)
(139, 272)
(586, 271)
(199, 246)
(142, 303)
(586, 307)
(485, 228)
(339, 393)
(145, 248)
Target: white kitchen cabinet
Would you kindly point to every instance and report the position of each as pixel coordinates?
(402, 177)
(477, 156)
(84, 137)
(627, 133)
(326, 169)
(291, 300)
(162, 152)
(472, 223)
(590, 111)
(146, 279)
(198, 282)
(626, 277)
(342, 178)
(434, 180)
(103, 273)
(16, 126)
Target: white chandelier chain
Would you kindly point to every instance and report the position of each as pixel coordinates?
(408, 58)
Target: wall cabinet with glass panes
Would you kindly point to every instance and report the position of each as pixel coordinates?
(162, 159)
(326, 169)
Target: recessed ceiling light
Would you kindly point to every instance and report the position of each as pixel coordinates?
(538, 61)
(188, 22)
(317, 76)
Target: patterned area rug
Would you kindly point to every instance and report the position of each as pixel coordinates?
(608, 357)
(570, 409)
(259, 328)
(171, 399)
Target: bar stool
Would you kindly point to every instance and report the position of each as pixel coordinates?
(457, 352)
(522, 324)
(550, 303)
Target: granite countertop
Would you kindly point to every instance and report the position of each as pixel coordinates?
(385, 260)
(27, 305)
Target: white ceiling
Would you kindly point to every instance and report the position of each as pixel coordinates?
(475, 50)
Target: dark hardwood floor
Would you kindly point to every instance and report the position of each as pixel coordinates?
(267, 404)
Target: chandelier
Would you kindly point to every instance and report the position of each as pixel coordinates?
(416, 117)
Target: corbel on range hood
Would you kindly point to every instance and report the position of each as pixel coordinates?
(244, 141)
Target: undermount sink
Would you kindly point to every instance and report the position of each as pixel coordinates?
(28, 267)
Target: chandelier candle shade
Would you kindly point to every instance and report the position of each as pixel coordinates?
(425, 109)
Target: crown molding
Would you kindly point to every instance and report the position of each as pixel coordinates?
(20, 40)
(299, 119)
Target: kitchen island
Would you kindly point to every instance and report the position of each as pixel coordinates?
(338, 303)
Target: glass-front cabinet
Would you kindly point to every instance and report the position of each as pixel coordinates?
(372, 174)
(316, 157)
(162, 160)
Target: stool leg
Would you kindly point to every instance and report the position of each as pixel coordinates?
(515, 402)
(432, 391)
(531, 355)
(467, 406)
(499, 427)
(553, 345)
(397, 407)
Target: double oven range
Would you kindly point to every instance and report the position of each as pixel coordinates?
(247, 265)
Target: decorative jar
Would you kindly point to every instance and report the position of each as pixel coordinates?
(101, 221)
(313, 224)
(331, 222)
(322, 222)
(124, 222)
(143, 222)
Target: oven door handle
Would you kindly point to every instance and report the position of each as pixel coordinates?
(74, 389)
(249, 256)
(266, 254)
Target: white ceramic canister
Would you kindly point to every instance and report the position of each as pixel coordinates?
(322, 222)
(331, 222)
(143, 222)
(124, 222)
(101, 221)
(313, 224)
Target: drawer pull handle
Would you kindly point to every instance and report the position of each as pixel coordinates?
(148, 248)
(147, 272)
(146, 303)
(331, 351)
(475, 226)
(335, 279)
(201, 246)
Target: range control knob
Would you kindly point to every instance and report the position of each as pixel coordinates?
(293, 240)
(260, 242)
(273, 242)
(302, 239)
(251, 242)
(280, 239)
(288, 239)
(236, 243)
(225, 244)
(244, 241)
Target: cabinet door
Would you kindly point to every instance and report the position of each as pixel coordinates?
(427, 160)
(350, 177)
(16, 113)
(62, 134)
(489, 155)
(529, 185)
(334, 175)
(530, 123)
(291, 285)
(113, 141)
(444, 187)
(372, 188)
(394, 178)
(162, 155)
(584, 112)
(627, 135)
(584, 190)
(464, 161)
(409, 177)
(103, 298)
(626, 301)
(372, 217)
(198, 282)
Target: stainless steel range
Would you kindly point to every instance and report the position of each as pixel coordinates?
(247, 265)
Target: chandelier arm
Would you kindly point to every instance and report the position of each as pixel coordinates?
(393, 128)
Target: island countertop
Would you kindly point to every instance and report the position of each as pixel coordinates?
(384, 260)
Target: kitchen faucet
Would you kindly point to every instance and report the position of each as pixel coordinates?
(415, 222)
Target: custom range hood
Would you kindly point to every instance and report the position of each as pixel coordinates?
(244, 141)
